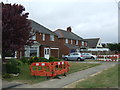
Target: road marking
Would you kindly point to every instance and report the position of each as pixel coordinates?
(72, 85)
(95, 74)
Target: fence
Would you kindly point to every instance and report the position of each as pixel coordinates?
(108, 57)
(49, 69)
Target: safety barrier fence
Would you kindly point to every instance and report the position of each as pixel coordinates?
(50, 69)
(108, 57)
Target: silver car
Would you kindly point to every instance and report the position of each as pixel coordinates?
(89, 56)
(74, 56)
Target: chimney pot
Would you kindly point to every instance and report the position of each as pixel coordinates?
(69, 29)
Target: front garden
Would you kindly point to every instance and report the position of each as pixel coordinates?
(22, 67)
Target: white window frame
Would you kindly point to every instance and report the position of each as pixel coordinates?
(82, 43)
(86, 44)
(27, 52)
(66, 40)
(71, 41)
(33, 37)
(76, 42)
(43, 37)
(51, 37)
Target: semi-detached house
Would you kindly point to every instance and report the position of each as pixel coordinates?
(55, 44)
(45, 42)
(69, 41)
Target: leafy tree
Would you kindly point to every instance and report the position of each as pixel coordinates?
(16, 30)
(114, 47)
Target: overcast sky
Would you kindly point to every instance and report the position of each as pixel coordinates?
(88, 18)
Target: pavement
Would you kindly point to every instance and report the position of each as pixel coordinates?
(8, 85)
(64, 81)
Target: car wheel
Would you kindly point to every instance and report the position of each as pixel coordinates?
(79, 59)
(92, 58)
(66, 59)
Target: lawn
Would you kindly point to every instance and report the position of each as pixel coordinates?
(90, 60)
(27, 78)
(75, 66)
(106, 79)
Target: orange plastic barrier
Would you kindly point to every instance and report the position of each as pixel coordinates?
(60, 68)
(41, 69)
(49, 69)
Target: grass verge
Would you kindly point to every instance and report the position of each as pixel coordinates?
(106, 79)
(75, 67)
(25, 76)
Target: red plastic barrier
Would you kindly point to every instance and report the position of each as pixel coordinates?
(41, 69)
(49, 69)
(60, 68)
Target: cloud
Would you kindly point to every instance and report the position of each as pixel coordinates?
(88, 18)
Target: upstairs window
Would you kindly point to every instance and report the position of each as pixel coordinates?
(66, 40)
(71, 41)
(86, 43)
(82, 43)
(76, 42)
(51, 37)
(33, 37)
(43, 37)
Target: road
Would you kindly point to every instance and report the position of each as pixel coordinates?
(60, 83)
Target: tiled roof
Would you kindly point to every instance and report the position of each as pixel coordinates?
(72, 46)
(92, 43)
(68, 35)
(37, 27)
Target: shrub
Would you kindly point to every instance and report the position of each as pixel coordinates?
(6, 75)
(37, 59)
(42, 59)
(52, 59)
(12, 66)
(32, 59)
(24, 60)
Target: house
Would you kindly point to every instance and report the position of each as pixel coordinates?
(69, 41)
(45, 42)
(94, 44)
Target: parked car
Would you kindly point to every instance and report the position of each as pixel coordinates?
(89, 56)
(74, 56)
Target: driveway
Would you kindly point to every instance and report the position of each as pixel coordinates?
(60, 83)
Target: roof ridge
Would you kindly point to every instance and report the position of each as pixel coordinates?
(68, 32)
(41, 25)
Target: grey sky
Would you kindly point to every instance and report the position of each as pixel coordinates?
(88, 18)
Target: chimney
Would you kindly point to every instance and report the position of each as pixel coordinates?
(69, 29)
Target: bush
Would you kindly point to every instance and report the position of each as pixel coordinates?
(37, 59)
(52, 59)
(42, 59)
(12, 66)
(6, 75)
(24, 60)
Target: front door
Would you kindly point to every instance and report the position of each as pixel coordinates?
(46, 53)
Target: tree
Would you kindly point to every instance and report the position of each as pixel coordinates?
(16, 30)
(114, 47)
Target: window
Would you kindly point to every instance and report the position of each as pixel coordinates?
(33, 37)
(66, 40)
(86, 43)
(43, 37)
(75, 54)
(51, 37)
(71, 41)
(33, 51)
(76, 42)
(82, 43)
